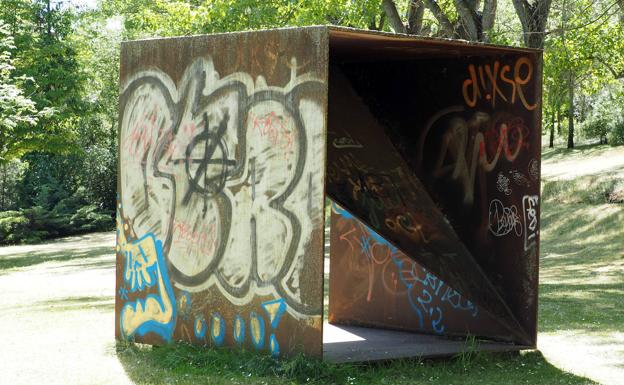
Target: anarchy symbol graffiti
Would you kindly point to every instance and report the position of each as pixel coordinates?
(207, 169)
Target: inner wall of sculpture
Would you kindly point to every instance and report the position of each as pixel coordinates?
(219, 190)
(452, 178)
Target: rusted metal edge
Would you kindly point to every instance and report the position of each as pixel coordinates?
(335, 30)
(381, 35)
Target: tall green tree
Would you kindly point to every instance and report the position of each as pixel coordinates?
(51, 61)
(584, 54)
(19, 114)
(45, 61)
(97, 40)
(533, 16)
(174, 17)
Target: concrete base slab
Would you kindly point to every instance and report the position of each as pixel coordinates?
(358, 344)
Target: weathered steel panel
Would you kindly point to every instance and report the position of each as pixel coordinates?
(372, 283)
(433, 146)
(368, 177)
(221, 196)
(466, 124)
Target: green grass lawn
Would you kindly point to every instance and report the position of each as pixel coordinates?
(185, 364)
(581, 304)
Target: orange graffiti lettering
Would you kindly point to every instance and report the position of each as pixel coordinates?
(483, 82)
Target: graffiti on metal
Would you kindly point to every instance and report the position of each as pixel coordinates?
(219, 196)
(230, 144)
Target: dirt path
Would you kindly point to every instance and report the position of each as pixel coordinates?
(56, 313)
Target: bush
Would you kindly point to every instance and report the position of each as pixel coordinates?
(11, 174)
(72, 203)
(13, 227)
(37, 224)
(88, 218)
(99, 176)
(616, 136)
(597, 127)
(49, 179)
(8, 214)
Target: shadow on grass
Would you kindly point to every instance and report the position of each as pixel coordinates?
(582, 263)
(186, 364)
(98, 303)
(66, 240)
(562, 152)
(592, 308)
(573, 229)
(32, 258)
(598, 188)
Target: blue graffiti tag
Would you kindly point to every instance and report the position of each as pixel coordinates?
(184, 305)
(422, 286)
(123, 293)
(274, 310)
(145, 267)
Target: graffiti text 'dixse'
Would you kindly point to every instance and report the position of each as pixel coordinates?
(495, 81)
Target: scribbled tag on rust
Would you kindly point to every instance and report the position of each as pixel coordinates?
(372, 283)
(372, 180)
(469, 130)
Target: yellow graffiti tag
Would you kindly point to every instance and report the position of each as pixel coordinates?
(216, 327)
(143, 270)
(256, 329)
(237, 327)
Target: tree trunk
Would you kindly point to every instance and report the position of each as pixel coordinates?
(49, 18)
(571, 111)
(551, 143)
(470, 24)
(3, 190)
(488, 18)
(415, 14)
(393, 16)
(533, 18)
(446, 27)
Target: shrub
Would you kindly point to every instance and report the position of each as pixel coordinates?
(99, 176)
(13, 227)
(597, 127)
(72, 203)
(616, 136)
(37, 224)
(88, 218)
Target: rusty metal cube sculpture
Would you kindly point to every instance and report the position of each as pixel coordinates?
(426, 152)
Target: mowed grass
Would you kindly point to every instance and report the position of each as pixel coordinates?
(182, 363)
(581, 299)
(582, 250)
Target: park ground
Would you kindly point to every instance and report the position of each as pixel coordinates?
(57, 304)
